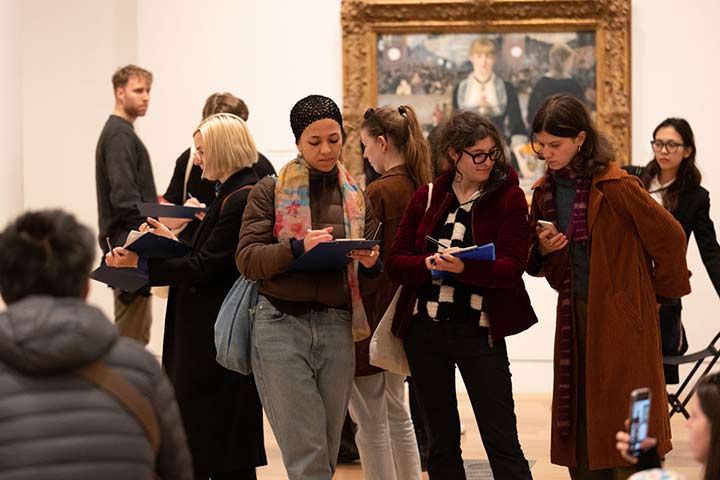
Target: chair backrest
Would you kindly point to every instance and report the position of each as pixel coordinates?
(679, 399)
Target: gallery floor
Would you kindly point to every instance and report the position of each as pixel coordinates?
(533, 412)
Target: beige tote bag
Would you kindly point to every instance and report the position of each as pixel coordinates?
(386, 350)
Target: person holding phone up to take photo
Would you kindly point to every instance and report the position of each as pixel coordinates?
(615, 250)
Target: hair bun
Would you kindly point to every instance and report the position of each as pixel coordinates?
(401, 110)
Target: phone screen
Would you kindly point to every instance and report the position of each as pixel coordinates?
(639, 418)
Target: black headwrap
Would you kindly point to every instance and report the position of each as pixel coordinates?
(311, 109)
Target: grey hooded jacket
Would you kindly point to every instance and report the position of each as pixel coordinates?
(54, 424)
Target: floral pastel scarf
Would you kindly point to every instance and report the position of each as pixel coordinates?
(293, 220)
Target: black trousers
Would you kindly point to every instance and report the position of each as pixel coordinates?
(433, 349)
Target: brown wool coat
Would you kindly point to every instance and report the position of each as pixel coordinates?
(637, 251)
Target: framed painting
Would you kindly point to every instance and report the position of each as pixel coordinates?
(501, 58)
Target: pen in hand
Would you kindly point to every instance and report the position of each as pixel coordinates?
(109, 245)
(377, 230)
(436, 242)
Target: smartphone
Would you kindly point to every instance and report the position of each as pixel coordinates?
(544, 224)
(639, 419)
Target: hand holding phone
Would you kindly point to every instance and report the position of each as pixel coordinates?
(639, 420)
(545, 225)
(549, 239)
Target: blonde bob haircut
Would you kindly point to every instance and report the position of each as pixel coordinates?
(228, 145)
(482, 46)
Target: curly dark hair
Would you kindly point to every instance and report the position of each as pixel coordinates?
(46, 252)
(463, 130)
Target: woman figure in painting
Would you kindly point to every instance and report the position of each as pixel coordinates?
(673, 180)
(302, 344)
(613, 250)
(489, 95)
(220, 409)
(462, 316)
(556, 81)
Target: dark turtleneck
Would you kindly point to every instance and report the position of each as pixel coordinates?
(326, 203)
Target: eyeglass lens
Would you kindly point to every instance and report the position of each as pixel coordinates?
(671, 147)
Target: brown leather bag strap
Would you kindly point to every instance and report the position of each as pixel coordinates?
(127, 395)
(222, 205)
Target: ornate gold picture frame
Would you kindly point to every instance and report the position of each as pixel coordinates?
(372, 27)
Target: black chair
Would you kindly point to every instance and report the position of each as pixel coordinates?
(677, 400)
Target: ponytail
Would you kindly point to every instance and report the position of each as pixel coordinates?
(401, 127)
(416, 149)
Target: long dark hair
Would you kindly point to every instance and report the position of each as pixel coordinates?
(401, 127)
(566, 116)
(464, 129)
(708, 394)
(688, 174)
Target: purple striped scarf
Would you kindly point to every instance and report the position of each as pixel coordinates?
(577, 231)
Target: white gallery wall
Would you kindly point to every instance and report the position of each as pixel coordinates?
(271, 53)
(11, 163)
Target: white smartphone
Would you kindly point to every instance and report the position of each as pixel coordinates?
(639, 419)
(545, 225)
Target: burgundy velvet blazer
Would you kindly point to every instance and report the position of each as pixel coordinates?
(499, 217)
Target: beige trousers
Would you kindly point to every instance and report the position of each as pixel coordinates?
(133, 319)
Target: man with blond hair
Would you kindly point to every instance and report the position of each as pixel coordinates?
(124, 178)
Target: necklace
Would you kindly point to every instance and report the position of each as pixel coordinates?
(483, 83)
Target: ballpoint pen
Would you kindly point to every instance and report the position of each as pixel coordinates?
(436, 242)
(377, 230)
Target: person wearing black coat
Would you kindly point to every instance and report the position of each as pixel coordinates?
(203, 190)
(673, 179)
(185, 184)
(221, 409)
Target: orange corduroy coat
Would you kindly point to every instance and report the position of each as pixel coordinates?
(637, 251)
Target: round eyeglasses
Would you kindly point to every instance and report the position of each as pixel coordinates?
(481, 157)
(671, 147)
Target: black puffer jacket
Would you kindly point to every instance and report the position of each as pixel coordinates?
(55, 425)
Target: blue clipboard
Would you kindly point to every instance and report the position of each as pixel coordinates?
(127, 279)
(330, 255)
(151, 245)
(483, 252)
(169, 211)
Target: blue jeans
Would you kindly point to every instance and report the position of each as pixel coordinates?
(304, 367)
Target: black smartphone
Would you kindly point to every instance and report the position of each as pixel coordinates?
(639, 419)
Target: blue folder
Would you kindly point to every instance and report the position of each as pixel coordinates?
(169, 211)
(128, 279)
(330, 255)
(151, 245)
(483, 252)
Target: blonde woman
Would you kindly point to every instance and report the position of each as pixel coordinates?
(220, 409)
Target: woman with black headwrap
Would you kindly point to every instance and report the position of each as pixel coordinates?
(305, 322)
